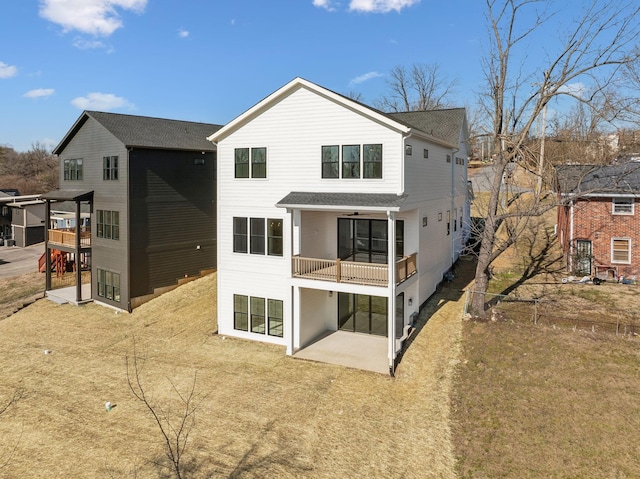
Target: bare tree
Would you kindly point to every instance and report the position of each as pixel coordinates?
(174, 429)
(594, 50)
(421, 87)
(17, 395)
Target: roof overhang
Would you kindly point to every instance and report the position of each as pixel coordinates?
(300, 200)
(68, 195)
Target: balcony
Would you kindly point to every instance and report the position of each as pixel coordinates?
(339, 271)
(67, 237)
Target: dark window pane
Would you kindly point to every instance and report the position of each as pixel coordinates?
(351, 161)
(372, 161)
(275, 317)
(240, 235)
(330, 161)
(274, 237)
(257, 235)
(257, 315)
(258, 162)
(240, 312)
(242, 162)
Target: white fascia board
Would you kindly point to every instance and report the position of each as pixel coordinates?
(293, 85)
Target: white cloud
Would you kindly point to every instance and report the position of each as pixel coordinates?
(7, 71)
(575, 89)
(365, 77)
(380, 6)
(326, 4)
(39, 93)
(100, 101)
(96, 17)
(183, 33)
(84, 44)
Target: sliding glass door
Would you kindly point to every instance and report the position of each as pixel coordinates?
(359, 313)
(365, 240)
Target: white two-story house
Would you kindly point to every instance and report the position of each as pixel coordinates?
(336, 221)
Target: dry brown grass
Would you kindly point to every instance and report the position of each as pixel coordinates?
(266, 415)
(533, 401)
(18, 290)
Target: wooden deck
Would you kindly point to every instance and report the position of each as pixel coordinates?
(338, 271)
(67, 237)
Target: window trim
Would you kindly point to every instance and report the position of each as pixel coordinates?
(108, 228)
(110, 168)
(109, 285)
(628, 250)
(269, 317)
(628, 202)
(249, 166)
(275, 237)
(72, 169)
(243, 236)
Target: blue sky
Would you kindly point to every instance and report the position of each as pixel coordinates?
(210, 60)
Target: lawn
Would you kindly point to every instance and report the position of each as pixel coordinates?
(261, 414)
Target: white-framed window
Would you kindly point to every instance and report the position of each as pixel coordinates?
(258, 315)
(622, 206)
(258, 235)
(621, 250)
(250, 162)
(352, 161)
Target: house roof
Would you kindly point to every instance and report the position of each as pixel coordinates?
(593, 180)
(445, 124)
(336, 201)
(9, 192)
(68, 195)
(146, 132)
(394, 122)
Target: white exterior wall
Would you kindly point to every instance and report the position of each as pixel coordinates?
(308, 122)
(293, 131)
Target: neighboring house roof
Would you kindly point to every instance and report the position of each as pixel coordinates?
(68, 195)
(9, 192)
(590, 180)
(325, 201)
(444, 124)
(391, 121)
(146, 132)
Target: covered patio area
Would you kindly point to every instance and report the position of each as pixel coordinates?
(354, 350)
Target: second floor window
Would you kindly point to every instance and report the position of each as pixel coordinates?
(352, 161)
(108, 224)
(250, 162)
(72, 169)
(622, 206)
(110, 168)
(257, 236)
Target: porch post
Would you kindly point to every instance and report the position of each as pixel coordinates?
(296, 228)
(78, 262)
(294, 322)
(47, 253)
(391, 288)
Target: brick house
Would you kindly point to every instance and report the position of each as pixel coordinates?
(598, 225)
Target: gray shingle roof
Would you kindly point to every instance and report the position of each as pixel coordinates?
(147, 132)
(590, 179)
(347, 200)
(443, 124)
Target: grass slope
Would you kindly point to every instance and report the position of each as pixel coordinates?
(264, 415)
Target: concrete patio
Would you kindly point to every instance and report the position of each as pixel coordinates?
(68, 295)
(353, 350)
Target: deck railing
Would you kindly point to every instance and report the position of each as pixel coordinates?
(67, 237)
(340, 271)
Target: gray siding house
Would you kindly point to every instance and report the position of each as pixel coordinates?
(149, 185)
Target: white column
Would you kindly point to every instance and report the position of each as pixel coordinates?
(391, 287)
(292, 331)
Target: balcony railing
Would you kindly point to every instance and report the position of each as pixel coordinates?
(339, 271)
(67, 237)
